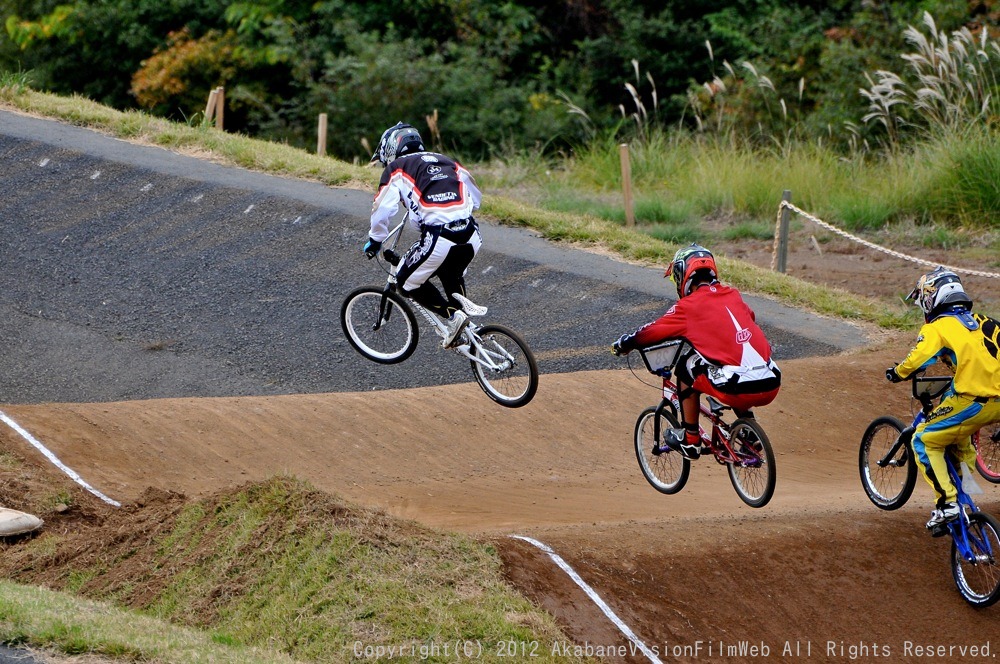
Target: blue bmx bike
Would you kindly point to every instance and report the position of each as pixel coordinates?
(889, 473)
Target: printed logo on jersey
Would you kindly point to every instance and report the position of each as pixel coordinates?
(991, 335)
(443, 197)
(743, 334)
(436, 173)
(433, 170)
(426, 244)
(429, 158)
(940, 411)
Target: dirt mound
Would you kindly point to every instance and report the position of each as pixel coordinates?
(122, 546)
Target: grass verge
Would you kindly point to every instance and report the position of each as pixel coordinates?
(37, 617)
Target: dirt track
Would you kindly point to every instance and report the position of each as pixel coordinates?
(818, 564)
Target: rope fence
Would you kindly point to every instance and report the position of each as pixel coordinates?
(785, 204)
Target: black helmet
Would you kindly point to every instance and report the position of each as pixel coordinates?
(396, 141)
(691, 264)
(937, 291)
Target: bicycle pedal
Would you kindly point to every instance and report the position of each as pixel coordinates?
(939, 530)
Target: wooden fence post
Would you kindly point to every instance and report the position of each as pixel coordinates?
(321, 138)
(627, 184)
(220, 106)
(783, 233)
(210, 106)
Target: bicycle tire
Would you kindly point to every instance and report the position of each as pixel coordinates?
(979, 581)
(988, 452)
(515, 383)
(754, 476)
(397, 336)
(666, 471)
(888, 487)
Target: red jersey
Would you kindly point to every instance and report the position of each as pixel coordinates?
(715, 320)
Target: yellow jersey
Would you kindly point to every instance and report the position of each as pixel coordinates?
(970, 342)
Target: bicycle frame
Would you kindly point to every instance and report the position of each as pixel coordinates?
(959, 528)
(717, 438)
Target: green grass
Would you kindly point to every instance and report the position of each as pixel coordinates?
(41, 618)
(274, 567)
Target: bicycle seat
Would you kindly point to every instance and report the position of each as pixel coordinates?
(468, 306)
(716, 406)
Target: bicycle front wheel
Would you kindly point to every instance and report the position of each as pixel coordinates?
(888, 480)
(753, 473)
(666, 470)
(988, 452)
(504, 366)
(379, 325)
(978, 579)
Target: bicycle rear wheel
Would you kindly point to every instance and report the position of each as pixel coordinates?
(666, 471)
(753, 475)
(978, 580)
(890, 483)
(379, 325)
(505, 368)
(988, 452)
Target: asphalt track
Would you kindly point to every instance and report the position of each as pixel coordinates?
(112, 251)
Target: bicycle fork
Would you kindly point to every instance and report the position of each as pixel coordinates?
(974, 547)
(384, 310)
(675, 408)
(890, 457)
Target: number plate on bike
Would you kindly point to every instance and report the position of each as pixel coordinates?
(660, 357)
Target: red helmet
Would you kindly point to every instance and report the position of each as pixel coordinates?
(694, 263)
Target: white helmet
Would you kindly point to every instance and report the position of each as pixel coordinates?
(937, 290)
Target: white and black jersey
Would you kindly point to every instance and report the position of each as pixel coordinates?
(436, 189)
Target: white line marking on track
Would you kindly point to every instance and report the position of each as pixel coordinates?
(557, 559)
(54, 459)
(147, 186)
(96, 175)
(44, 162)
(247, 211)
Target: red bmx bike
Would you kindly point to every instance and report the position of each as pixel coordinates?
(740, 445)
